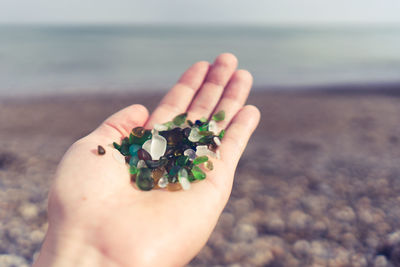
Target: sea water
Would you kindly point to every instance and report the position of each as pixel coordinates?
(47, 59)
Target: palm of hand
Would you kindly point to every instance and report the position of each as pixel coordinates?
(92, 201)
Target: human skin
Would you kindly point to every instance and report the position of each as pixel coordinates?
(97, 218)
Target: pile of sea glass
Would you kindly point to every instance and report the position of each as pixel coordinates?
(170, 155)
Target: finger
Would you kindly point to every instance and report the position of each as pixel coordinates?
(210, 92)
(179, 97)
(238, 133)
(234, 96)
(120, 124)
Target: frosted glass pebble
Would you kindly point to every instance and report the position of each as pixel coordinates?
(183, 179)
(217, 141)
(184, 183)
(163, 182)
(204, 151)
(147, 146)
(213, 127)
(194, 135)
(141, 164)
(160, 127)
(118, 157)
(158, 146)
(190, 153)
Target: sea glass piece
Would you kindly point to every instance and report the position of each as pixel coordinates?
(213, 126)
(198, 173)
(190, 153)
(200, 160)
(124, 149)
(174, 170)
(141, 164)
(180, 119)
(143, 154)
(158, 147)
(219, 116)
(133, 169)
(134, 161)
(169, 125)
(133, 149)
(209, 165)
(147, 145)
(217, 141)
(138, 131)
(206, 133)
(182, 160)
(221, 134)
(116, 145)
(152, 164)
(203, 127)
(144, 181)
(174, 186)
(140, 140)
(163, 182)
(204, 151)
(160, 127)
(183, 179)
(194, 135)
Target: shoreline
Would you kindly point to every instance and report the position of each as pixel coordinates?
(318, 182)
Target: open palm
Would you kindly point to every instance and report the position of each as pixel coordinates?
(93, 204)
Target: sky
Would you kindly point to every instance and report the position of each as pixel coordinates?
(201, 11)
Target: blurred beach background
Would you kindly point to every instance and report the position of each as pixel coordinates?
(318, 185)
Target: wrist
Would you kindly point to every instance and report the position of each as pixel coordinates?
(67, 249)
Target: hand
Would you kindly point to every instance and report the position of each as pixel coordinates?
(96, 218)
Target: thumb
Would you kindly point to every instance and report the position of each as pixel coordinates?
(120, 124)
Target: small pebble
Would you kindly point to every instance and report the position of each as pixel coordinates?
(101, 150)
(163, 182)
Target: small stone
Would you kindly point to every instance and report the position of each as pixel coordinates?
(244, 232)
(213, 126)
(138, 131)
(194, 135)
(158, 146)
(200, 160)
(101, 150)
(209, 165)
(190, 153)
(144, 181)
(198, 173)
(219, 116)
(134, 161)
(143, 154)
(301, 248)
(118, 157)
(28, 211)
(163, 182)
(206, 133)
(380, 261)
(133, 149)
(180, 119)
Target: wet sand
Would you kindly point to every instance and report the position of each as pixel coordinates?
(319, 184)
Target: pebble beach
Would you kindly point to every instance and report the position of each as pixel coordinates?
(318, 185)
